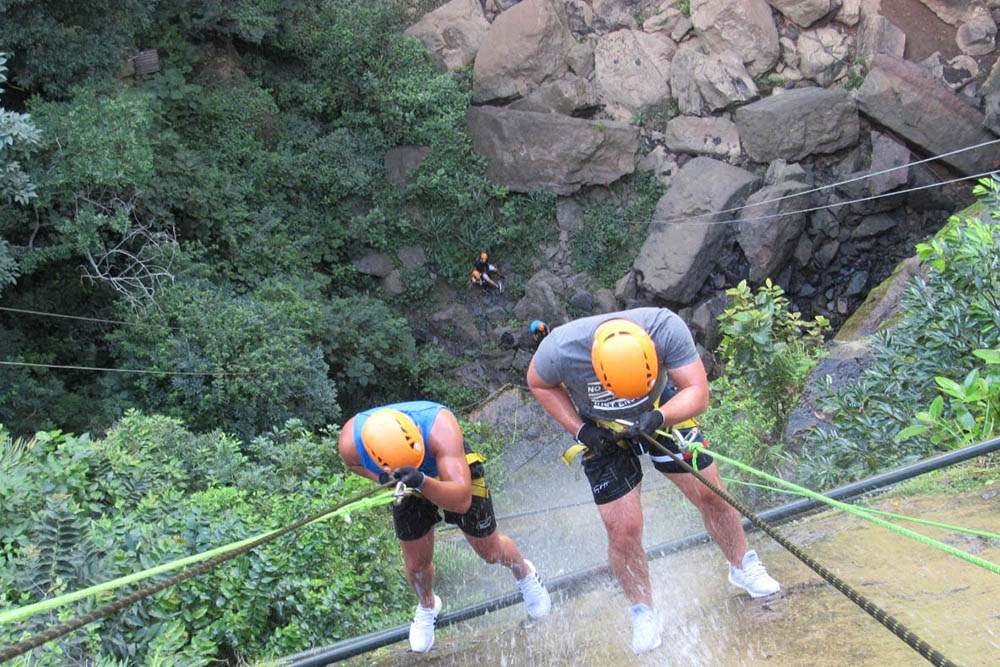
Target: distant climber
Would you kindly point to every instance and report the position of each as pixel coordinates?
(485, 274)
(539, 330)
(611, 380)
(420, 444)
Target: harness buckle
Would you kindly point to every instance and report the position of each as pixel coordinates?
(401, 492)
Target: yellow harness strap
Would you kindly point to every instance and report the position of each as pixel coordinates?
(479, 487)
(573, 451)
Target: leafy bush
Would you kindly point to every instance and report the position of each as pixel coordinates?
(974, 404)
(768, 350)
(946, 316)
(257, 352)
(612, 231)
(75, 512)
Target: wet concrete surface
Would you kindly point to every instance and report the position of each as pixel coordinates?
(951, 604)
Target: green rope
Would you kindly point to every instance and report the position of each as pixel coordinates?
(45, 605)
(872, 510)
(923, 539)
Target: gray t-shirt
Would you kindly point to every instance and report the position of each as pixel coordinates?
(564, 358)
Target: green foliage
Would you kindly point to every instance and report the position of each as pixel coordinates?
(60, 43)
(766, 348)
(946, 316)
(612, 230)
(974, 407)
(18, 138)
(856, 73)
(739, 425)
(262, 366)
(685, 7)
(75, 512)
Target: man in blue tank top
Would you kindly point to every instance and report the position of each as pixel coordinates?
(640, 368)
(421, 444)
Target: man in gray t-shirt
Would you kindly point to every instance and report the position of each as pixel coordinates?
(640, 367)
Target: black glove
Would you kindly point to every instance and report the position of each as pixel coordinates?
(409, 476)
(601, 441)
(647, 423)
(384, 477)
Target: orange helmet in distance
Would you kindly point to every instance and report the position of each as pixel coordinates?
(624, 358)
(392, 439)
(483, 256)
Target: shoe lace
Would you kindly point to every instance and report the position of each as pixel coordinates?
(424, 617)
(530, 585)
(754, 571)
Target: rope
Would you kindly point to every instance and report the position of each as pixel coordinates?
(68, 317)
(122, 370)
(923, 539)
(735, 209)
(21, 647)
(871, 510)
(810, 210)
(913, 641)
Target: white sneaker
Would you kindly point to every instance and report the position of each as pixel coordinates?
(752, 577)
(645, 628)
(422, 627)
(536, 598)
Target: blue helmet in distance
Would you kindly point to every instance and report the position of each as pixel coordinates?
(537, 326)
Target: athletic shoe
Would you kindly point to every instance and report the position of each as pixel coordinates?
(645, 628)
(752, 577)
(536, 598)
(422, 627)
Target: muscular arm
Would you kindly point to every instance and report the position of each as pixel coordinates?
(349, 452)
(555, 400)
(453, 490)
(691, 398)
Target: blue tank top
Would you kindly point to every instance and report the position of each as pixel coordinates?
(423, 413)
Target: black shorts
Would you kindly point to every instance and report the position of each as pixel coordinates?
(613, 475)
(415, 515)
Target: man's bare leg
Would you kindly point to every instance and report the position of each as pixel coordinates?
(722, 521)
(623, 522)
(418, 560)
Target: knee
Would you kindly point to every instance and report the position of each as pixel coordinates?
(625, 531)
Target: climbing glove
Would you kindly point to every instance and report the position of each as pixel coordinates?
(599, 440)
(647, 423)
(409, 476)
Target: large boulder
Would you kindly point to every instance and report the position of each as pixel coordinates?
(766, 241)
(798, 123)
(744, 26)
(703, 136)
(452, 33)
(632, 68)
(679, 252)
(541, 300)
(877, 34)
(805, 12)
(570, 95)
(525, 46)
(908, 100)
(823, 54)
(527, 149)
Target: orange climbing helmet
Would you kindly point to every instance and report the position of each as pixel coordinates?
(476, 273)
(624, 358)
(483, 256)
(392, 439)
